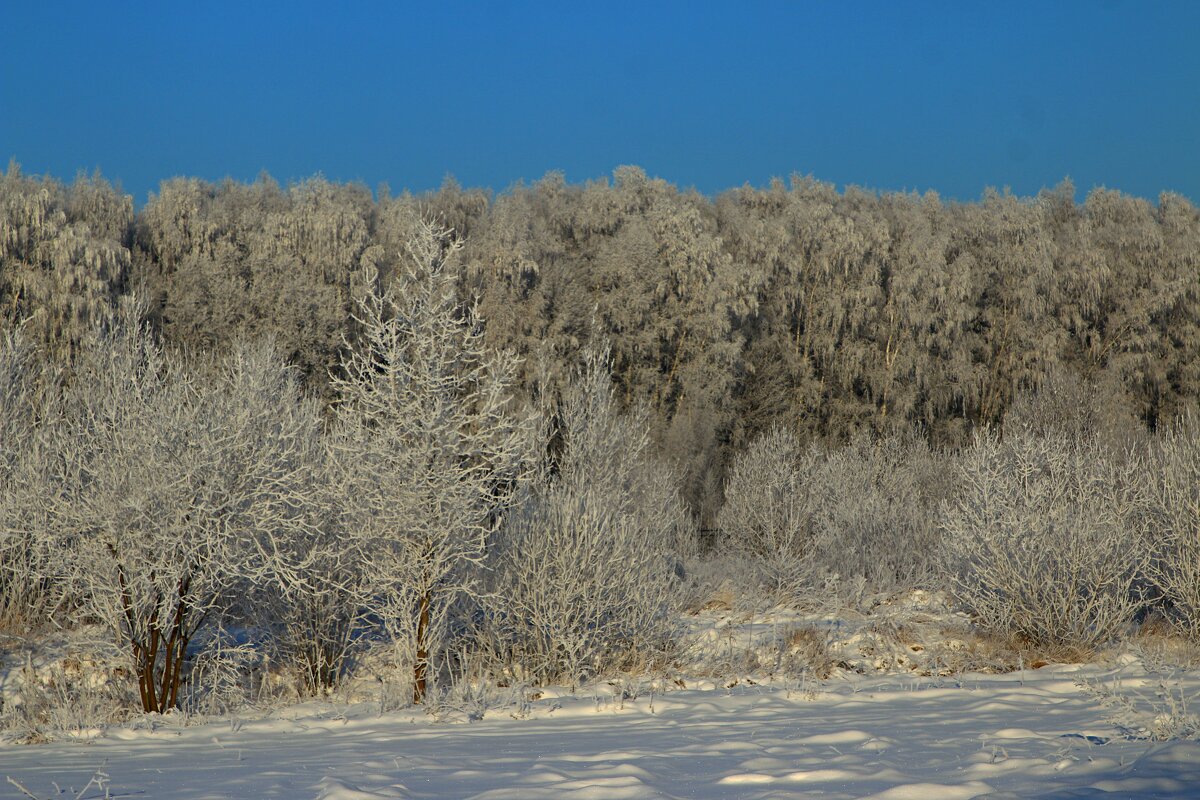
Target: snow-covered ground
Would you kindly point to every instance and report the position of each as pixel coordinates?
(883, 724)
(1031, 735)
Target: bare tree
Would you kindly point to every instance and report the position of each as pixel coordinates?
(432, 446)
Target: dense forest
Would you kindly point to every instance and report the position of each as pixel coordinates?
(797, 305)
(521, 429)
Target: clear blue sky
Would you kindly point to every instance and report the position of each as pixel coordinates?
(949, 96)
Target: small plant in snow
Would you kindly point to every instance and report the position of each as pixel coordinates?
(99, 779)
(51, 701)
(1169, 712)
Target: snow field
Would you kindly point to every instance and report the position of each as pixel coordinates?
(748, 714)
(1035, 734)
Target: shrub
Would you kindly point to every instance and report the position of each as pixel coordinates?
(1175, 569)
(25, 593)
(1045, 541)
(1079, 409)
(770, 508)
(584, 566)
(876, 515)
(866, 512)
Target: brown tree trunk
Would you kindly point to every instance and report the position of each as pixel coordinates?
(158, 693)
(422, 662)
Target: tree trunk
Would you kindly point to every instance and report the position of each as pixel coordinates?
(422, 662)
(159, 690)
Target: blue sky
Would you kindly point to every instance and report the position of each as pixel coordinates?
(947, 96)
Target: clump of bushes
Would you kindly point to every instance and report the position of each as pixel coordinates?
(1174, 564)
(862, 514)
(1047, 538)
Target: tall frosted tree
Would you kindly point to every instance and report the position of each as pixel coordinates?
(920, 333)
(432, 448)
(1016, 336)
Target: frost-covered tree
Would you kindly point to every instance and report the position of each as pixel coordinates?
(432, 447)
(1017, 336)
(920, 334)
(64, 257)
(583, 567)
(163, 492)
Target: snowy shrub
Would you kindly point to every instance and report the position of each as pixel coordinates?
(1081, 410)
(1175, 568)
(318, 625)
(864, 513)
(770, 508)
(25, 592)
(310, 592)
(876, 504)
(584, 567)
(228, 673)
(76, 695)
(1045, 540)
(724, 580)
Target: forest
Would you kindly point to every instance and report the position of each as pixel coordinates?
(518, 432)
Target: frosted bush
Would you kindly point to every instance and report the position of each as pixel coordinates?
(866, 512)
(1045, 542)
(770, 508)
(25, 592)
(876, 511)
(1175, 570)
(584, 567)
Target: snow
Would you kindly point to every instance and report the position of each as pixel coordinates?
(717, 729)
(883, 736)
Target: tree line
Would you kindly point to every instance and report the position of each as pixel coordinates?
(793, 305)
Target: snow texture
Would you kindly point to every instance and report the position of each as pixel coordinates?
(1034, 733)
